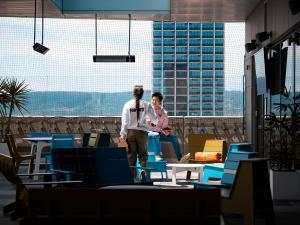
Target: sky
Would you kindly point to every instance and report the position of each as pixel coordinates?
(68, 66)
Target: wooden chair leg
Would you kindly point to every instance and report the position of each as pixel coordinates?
(188, 175)
(9, 208)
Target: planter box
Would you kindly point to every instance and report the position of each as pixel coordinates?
(285, 185)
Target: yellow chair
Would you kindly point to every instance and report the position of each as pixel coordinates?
(196, 142)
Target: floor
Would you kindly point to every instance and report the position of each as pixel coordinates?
(286, 212)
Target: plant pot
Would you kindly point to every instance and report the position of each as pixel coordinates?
(285, 185)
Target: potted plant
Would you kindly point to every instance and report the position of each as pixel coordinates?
(13, 96)
(283, 138)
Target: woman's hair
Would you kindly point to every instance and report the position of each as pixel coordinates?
(158, 95)
(138, 92)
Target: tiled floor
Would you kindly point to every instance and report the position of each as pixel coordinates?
(286, 212)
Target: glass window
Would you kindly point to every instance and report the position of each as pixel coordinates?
(181, 26)
(207, 113)
(207, 90)
(168, 91)
(157, 82)
(157, 74)
(207, 106)
(207, 74)
(196, 50)
(219, 34)
(156, 89)
(219, 106)
(168, 98)
(219, 82)
(181, 34)
(157, 50)
(169, 82)
(219, 26)
(157, 34)
(219, 90)
(181, 50)
(219, 74)
(169, 49)
(195, 42)
(169, 34)
(194, 91)
(168, 66)
(181, 106)
(195, 34)
(169, 107)
(219, 42)
(207, 58)
(157, 66)
(181, 42)
(157, 26)
(195, 106)
(195, 74)
(181, 113)
(195, 26)
(194, 98)
(169, 42)
(219, 50)
(181, 58)
(207, 98)
(219, 113)
(207, 66)
(195, 66)
(207, 26)
(169, 74)
(181, 99)
(219, 98)
(195, 82)
(219, 66)
(192, 113)
(168, 26)
(181, 91)
(157, 42)
(207, 34)
(157, 58)
(194, 58)
(219, 58)
(207, 42)
(170, 112)
(181, 66)
(208, 50)
(181, 74)
(168, 58)
(207, 83)
(181, 82)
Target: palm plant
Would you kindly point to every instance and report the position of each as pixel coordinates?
(13, 96)
(284, 132)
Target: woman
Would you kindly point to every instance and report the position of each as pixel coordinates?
(161, 128)
(135, 116)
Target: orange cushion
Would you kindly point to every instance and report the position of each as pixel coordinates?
(208, 156)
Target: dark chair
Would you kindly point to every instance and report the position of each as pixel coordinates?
(96, 140)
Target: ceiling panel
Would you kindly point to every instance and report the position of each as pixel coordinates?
(181, 10)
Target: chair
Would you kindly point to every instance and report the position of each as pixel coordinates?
(247, 192)
(216, 170)
(96, 140)
(196, 142)
(18, 158)
(159, 165)
(18, 207)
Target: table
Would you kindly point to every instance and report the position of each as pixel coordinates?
(179, 167)
(39, 143)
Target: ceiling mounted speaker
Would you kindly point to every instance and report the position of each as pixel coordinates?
(262, 36)
(250, 46)
(294, 6)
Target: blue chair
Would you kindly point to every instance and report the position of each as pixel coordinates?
(216, 170)
(159, 165)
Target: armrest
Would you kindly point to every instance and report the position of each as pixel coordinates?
(50, 183)
(33, 174)
(62, 171)
(206, 185)
(142, 168)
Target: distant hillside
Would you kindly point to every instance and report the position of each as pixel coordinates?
(106, 104)
(79, 103)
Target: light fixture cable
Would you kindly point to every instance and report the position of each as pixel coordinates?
(129, 34)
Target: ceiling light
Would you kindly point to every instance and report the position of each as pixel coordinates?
(250, 46)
